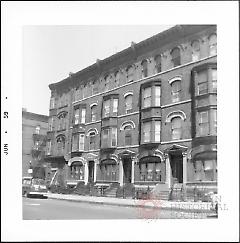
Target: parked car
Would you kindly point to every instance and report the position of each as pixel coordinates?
(33, 187)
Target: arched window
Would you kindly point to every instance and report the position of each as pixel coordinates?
(213, 45)
(195, 50)
(94, 113)
(77, 171)
(107, 82)
(158, 66)
(62, 121)
(60, 144)
(176, 89)
(92, 140)
(117, 78)
(176, 129)
(130, 72)
(128, 135)
(176, 57)
(128, 103)
(144, 65)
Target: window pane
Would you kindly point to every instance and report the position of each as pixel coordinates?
(203, 117)
(157, 95)
(115, 105)
(106, 106)
(158, 64)
(128, 103)
(114, 136)
(157, 131)
(146, 131)
(83, 118)
(76, 116)
(176, 128)
(147, 97)
(81, 141)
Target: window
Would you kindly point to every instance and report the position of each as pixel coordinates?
(50, 124)
(49, 147)
(206, 170)
(146, 132)
(115, 106)
(108, 171)
(198, 170)
(144, 68)
(215, 120)
(157, 95)
(79, 116)
(158, 67)
(203, 123)
(81, 141)
(128, 103)
(37, 129)
(109, 137)
(213, 44)
(214, 80)
(107, 82)
(77, 171)
(60, 145)
(117, 78)
(176, 128)
(202, 82)
(75, 138)
(147, 93)
(128, 135)
(83, 115)
(176, 57)
(62, 121)
(106, 108)
(114, 137)
(176, 88)
(130, 72)
(93, 113)
(92, 141)
(195, 50)
(76, 116)
(52, 103)
(157, 131)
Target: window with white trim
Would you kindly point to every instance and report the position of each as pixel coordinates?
(176, 129)
(79, 115)
(109, 137)
(94, 113)
(128, 103)
(146, 132)
(157, 131)
(157, 95)
(81, 141)
(176, 90)
(203, 123)
(115, 106)
(147, 96)
(49, 147)
(92, 141)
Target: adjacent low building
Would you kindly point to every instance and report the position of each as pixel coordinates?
(34, 132)
(145, 116)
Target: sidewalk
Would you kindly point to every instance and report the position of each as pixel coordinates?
(149, 203)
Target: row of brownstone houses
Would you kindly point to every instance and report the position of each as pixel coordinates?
(144, 116)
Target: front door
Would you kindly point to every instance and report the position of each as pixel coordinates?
(90, 171)
(177, 168)
(127, 170)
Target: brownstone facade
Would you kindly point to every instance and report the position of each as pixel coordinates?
(146, 115)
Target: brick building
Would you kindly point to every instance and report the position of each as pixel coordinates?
(144, 116)
(34, 131)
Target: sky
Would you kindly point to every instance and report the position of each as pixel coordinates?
(50, 52)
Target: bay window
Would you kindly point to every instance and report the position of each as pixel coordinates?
(157, 95)
(109, 137)
(151, 131)
(203, 123)
(80, 115)
(205, 169)
(78, 142)
(147, 94)
(146, 132)
(202, 78)
(151, 96)
(115, 106)
(110, 107)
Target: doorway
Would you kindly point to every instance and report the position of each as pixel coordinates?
(90, 171)
(176, 162)
(127, 170)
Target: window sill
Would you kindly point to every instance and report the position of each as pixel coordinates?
(63, 106)
(61, 130)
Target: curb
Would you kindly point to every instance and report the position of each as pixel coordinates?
(168, 207)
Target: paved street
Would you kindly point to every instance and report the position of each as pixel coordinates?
(60, 209)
